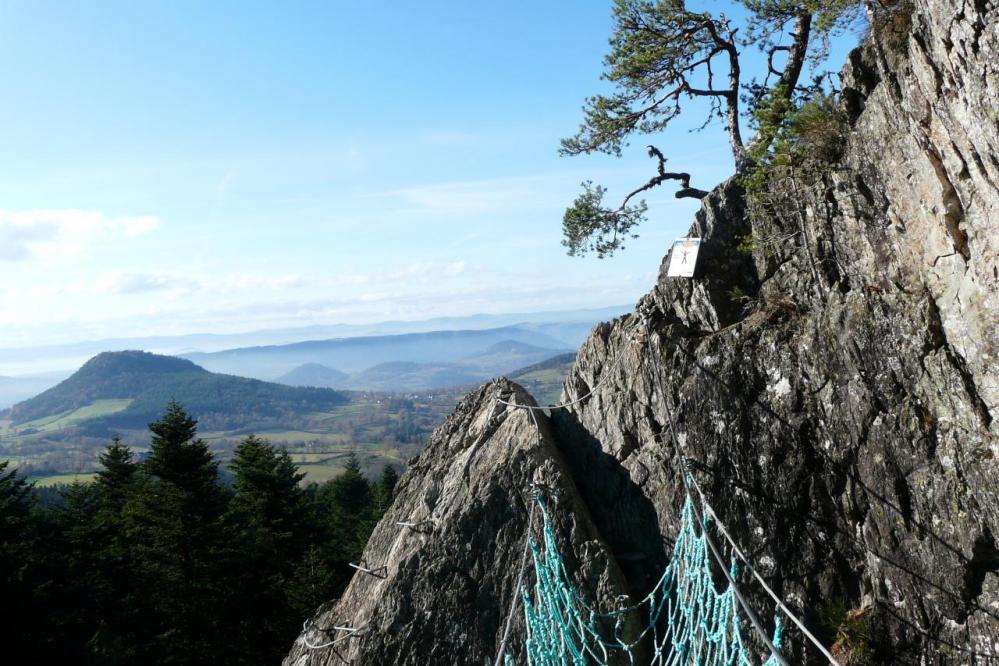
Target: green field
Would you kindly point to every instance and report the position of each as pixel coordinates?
(58, 479)
(94, 410)
(313, 458)
(318, 467)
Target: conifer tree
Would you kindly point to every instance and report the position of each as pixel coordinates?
(180, 544)
(384, 489)
(114, 595)
(267, 495)
(15, 508)
(268, 509)
(74, 573)
(19, 612)
(311, 583)
(114, 479)
(157, 562)
(351, 498)
(381, 499)
(346, 505)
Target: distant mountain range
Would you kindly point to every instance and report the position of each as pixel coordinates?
(312, 374)
(468, 356)
(393, 376)
(569, 327)
(390, 363)
(437, 345)
(127, 390)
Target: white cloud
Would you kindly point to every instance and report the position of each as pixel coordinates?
(138, 282)
(188, 282)
(194, 298)
(61, 233)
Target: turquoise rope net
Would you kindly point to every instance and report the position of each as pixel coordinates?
(684, 620)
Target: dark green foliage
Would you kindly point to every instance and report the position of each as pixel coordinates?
(269, 513)
(74, 552)
(159, 562)
(312, 582)
(349, 502)
(19, 579)
(114, 597)
(384, 488)
(15, 509)
(180, 544)
(807, 139)
(589, 226)
(848, 632)
(115, 477)
(655, 47)
(812, 129)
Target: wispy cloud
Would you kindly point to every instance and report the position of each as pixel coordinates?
(185, 283)
(135, 282)
(61, 233)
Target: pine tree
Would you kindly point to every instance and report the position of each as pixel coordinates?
(114, 479)
(352, 501)
(15, 507)
(75, 573)
(20, 615)
(114, 597)
(384, 490)
(311, 583)
(346, 506)
(381, 499)
(175, 522)
(269, 511)
(667, 60)
(267, 494)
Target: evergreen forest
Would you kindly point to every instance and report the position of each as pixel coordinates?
(173, 560)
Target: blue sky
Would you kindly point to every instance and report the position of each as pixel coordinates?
(180, 167)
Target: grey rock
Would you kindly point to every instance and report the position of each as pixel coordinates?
(445, 587)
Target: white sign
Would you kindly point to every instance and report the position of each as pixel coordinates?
(683, 257)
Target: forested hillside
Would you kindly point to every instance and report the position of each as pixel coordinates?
(148, 381)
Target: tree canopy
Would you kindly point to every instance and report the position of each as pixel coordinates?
(662, 56)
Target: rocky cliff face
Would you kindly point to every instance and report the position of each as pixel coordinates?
(834, 392)
(445, 559)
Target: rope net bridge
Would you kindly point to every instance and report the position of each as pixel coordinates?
(686, 620)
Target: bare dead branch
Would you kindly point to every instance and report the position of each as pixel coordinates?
(686, 191)
(770, 59)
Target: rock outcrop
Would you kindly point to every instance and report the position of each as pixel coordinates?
(834, 392)
(445, 559)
